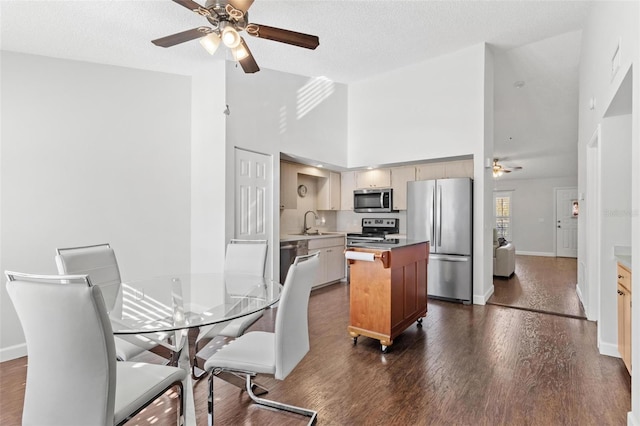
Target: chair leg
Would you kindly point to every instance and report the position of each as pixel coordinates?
(210, 402)
(183, 402)
(275, 404)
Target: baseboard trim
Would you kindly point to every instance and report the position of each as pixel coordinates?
(535, 253)
(13, 352)
(482, 299)
(609, 349)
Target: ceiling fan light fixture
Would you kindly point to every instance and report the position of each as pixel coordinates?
(210, 42)
(230, 37)
(240, 52)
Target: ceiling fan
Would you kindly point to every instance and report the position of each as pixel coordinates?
(499, 169)
(229, 18)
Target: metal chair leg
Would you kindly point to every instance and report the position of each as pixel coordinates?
(210, 402)
(280, 405)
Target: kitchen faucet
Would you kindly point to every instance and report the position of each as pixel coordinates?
(306, 228)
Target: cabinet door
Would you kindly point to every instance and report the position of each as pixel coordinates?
(430, 171)
(288, 186)
(624, 325)
(399, 178)
(321, 273)
(458, 169)
(347, 186)
(335, 263)
(329, 192)
(376, 178)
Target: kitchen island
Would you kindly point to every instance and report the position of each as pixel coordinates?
(388, 288)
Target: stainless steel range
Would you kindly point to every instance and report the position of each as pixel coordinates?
(374, 230)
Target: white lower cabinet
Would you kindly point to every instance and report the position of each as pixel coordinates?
(332, 262)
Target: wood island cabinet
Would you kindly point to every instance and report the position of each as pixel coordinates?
(624, 315)
(388, 294)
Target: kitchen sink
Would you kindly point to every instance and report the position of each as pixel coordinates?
(311, 234)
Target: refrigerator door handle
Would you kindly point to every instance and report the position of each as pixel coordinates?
(439, 215)
(432, 219)
(449, 258)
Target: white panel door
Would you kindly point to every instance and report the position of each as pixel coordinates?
(253, 189)
(567, 222)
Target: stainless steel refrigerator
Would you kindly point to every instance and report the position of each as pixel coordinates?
(442, 212)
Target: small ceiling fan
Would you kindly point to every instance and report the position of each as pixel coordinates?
(228, 18)
(499, 169)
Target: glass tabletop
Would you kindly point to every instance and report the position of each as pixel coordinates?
(177, 302)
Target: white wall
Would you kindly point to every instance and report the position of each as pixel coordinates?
(608, 24)
(91, 154)
(615, 157)
(208, 167)
(435, 109)
(533, 209)
(273, 112)
(430, 110)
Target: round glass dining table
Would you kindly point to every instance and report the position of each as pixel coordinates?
(165, 308)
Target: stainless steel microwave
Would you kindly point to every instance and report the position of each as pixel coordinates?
(378, 200)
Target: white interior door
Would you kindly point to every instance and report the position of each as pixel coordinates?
(253, 189)
(567, 210)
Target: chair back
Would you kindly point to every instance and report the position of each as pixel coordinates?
(71, 374)
(246, 257)
(97, 261)
(292, 328)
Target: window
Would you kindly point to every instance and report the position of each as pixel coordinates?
(503, 208)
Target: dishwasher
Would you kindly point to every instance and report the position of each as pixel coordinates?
(288, 252)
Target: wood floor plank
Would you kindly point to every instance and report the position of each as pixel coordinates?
(467, 365)
(541, 284)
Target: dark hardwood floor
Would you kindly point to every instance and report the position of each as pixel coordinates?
(467, 365)
(540, 284)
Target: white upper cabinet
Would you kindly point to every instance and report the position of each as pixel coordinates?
(399, 178)
(445, 169)
(430, 171)
(329, 192)
(458, 169)
(376, 178)
(288, 185)
(347, 186)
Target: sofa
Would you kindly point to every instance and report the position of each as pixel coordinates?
(504, 258)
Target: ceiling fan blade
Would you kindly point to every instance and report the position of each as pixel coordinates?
(283, 36)
(178, 38)
(189, 4)
(242, 5)
(249, 64)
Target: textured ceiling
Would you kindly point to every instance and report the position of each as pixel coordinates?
(358, 39)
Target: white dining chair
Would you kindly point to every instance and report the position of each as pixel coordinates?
(99, 262)
(73, 377)
(243, 257)
(277, 353)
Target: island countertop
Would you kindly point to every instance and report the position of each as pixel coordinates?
(388, 244)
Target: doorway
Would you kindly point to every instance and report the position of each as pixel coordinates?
(567, 209)
(253, 205)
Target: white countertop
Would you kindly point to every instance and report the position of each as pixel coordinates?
(622, 254)
(298, 237)
(624, 260)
